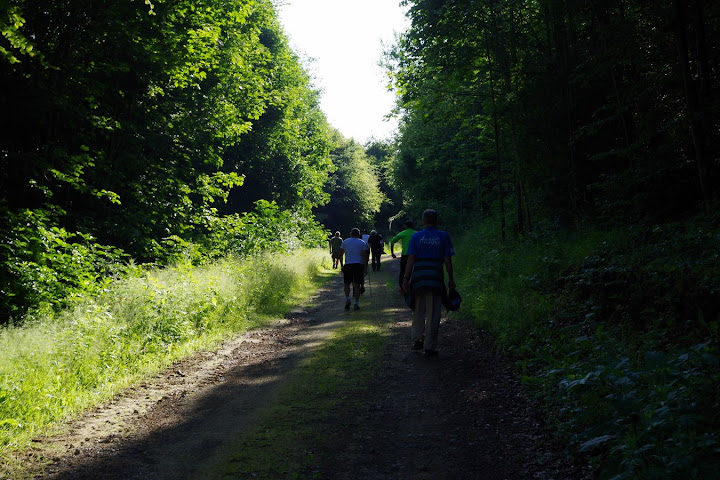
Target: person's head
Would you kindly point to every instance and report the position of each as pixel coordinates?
(337, 234)
(355, 232)
(373, 232)
(408, 224)
(365, 231)
(430, 217)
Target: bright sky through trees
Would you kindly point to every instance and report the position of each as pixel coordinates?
(345, 38)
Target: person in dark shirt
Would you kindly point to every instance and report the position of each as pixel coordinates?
(335, 243)
(376, 246)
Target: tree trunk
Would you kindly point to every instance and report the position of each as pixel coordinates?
(525, 206)
(604, 22)
(692, 99)
(496, 130)
(520, 220)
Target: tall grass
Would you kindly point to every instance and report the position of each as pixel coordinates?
(498, 279)
(57, 365)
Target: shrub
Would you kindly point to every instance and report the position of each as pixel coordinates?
(616, 333)
(42, 264)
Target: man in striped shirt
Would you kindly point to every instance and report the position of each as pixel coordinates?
(430, 249)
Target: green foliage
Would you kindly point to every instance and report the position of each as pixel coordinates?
(142, 127)
(502, 277)
(381, 154)
(58, 364)
(641, 416)
(285, 157)
(45, 266)
(14, 43)
(577, 114)
(579, 104)
(267, 229)
(612, 339)
(354, 187)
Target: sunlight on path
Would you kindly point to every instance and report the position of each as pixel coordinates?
(179, 421)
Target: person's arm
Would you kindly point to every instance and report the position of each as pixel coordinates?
(341, 258)
(449, 269)
(393, 241)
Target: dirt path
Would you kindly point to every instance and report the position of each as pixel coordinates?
(459, 416)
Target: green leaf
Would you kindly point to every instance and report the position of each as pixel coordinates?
(596, 442)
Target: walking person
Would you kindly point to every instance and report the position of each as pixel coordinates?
(404, 239)
(335, 243)
(429, 250)
(365, 236)
(376, 246)
(356, 267)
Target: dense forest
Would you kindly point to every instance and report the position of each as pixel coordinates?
(571, 147)
(154, 131)
(600, 111)
(577, 146)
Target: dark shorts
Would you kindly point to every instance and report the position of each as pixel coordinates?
(354, 273)
(337, 255)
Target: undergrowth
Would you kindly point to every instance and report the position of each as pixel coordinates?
(57, 364)
(616, 333)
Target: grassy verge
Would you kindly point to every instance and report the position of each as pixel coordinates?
(616, 334)
(57, 365)
(334, 376)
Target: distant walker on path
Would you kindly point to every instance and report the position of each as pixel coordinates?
(428, 251)
(356, 266)
(335, 244)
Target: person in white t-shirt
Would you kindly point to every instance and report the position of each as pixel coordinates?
(365, 236)
(356, 266)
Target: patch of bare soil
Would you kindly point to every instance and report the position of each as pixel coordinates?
(461, 415)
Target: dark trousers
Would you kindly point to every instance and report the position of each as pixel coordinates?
(376, 259)
(403, 264)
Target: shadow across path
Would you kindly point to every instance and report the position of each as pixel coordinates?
(196, 413)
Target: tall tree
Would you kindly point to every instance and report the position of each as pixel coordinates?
(592, 108)
(355, 196)
(381, 154)
(128, 124)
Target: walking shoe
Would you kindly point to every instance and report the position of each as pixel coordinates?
(418, 345)
(431, 353)
(356, 307)
(347, 304)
